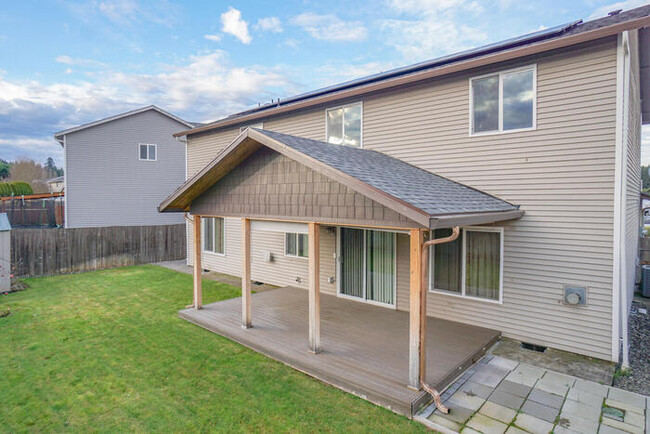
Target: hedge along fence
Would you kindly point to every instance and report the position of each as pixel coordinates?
(47, 251)
(16, 188)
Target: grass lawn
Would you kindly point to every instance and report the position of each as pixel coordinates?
(105, 351)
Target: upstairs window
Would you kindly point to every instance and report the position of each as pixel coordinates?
(470, 266)
(344, 125)
(504, 101)
(214, 235)
(147, 152)
(295, 245)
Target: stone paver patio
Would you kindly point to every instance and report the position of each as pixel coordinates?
(499, 395)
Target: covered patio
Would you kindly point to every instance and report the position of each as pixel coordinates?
(277, 181)
(364, 347)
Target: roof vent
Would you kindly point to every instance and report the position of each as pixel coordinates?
(616, 12)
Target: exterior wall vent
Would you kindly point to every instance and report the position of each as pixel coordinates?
(575, 295)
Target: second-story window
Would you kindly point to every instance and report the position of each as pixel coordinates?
(147, 152)
(344, 125)
(504, 101)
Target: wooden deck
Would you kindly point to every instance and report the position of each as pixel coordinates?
(364, 347)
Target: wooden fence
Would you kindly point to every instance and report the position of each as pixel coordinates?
(36, 210)
(47, 251)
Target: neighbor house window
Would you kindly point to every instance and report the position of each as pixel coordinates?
(471, 266)
(344, 125)
(504, 101)
(295, 245)
(214, 235)
(259, 125)
(148, 152)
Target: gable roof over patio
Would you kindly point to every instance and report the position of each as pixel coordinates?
(421, 197)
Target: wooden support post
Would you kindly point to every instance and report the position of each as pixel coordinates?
(416, 335)
(314, 287)
(246, 274)
(198, 289)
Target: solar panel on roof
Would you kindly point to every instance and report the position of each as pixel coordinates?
(541, 34)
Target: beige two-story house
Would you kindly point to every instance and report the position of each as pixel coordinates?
(522, 158)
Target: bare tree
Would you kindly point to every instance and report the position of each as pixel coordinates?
(25, 169)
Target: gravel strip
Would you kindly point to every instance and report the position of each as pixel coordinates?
(639, 334)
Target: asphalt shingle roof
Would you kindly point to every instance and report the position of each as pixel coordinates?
(433, 194)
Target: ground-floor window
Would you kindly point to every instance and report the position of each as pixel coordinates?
(296, 245)
(367, 265)
(471, 266)
(214, 235)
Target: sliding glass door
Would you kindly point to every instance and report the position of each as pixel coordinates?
(367, 265)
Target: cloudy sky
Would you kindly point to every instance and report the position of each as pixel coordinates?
(65, 62)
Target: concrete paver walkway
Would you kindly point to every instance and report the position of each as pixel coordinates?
(499, 395)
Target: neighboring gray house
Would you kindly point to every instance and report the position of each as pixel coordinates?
(118, 169)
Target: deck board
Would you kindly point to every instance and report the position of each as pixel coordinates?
(364, 347)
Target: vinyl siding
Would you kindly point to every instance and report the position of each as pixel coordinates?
(633, 183)
(562, 175)
(107, 184)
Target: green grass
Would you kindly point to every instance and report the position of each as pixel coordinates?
(105, 351)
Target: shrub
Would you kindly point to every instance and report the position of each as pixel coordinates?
(17, 188)
(21, 187)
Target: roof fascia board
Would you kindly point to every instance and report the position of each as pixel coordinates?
(510, 54)
(473, 219)
(379, 196)
(407, 210)
(58, 136)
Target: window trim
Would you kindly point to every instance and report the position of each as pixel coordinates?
(296, 255)
(500, 230)
(203, 223)
(359, 103)
(147, 145)
(500, 130)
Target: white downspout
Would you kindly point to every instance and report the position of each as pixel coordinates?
(619, 289)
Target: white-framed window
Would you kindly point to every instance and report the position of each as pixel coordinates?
(147, 152)
(470, 266)
(296, 245)
(259, 125)
(214, 235)
(344, 125)
(504, 101)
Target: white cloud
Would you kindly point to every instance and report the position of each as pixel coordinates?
(424, 6)
(233, 24)
(119, 11)
(330, 27)
(64, 59)
(431, 28)
(269, 24)
(421, 39)
(602, 11)
(67, 60)
(203, 87)
(213, 38)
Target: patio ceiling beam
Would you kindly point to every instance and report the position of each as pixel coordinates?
(314, 286)
(246, 274)
(198, 289)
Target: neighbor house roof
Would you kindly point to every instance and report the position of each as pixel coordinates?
(54, 180)
(426, 198)
(59, 136)
(556, 37)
